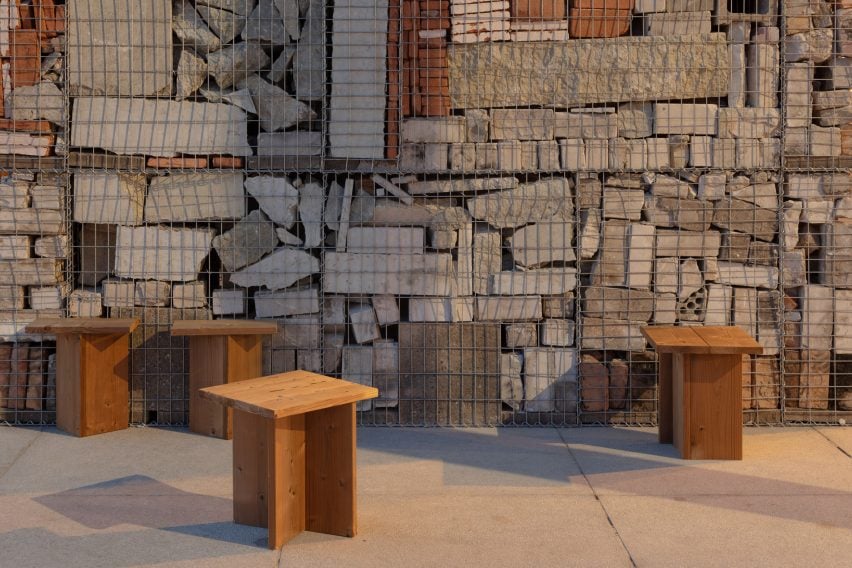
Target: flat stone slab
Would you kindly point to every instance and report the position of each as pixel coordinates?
(120, 47)
(195, 197)
(513, 74)
(160, 128)
(160, 253)
(412, 274)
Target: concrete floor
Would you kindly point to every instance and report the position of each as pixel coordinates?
(438, 497)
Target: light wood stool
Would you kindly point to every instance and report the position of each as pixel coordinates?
(700, 393)
(92, 371)
(220, 352)
(294, 452)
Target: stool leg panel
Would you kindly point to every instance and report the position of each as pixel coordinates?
(69, 406)
(287, 510)
(104, 372)
(250, 469)
(664, 404)
(681, 433)
(331, 483)
(207, 361)
(715, 407)
(243, 360)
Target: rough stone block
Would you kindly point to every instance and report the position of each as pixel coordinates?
(195, 197)
(107, 198)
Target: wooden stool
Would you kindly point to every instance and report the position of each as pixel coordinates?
(700, 396)
(294, 452)
(91, 372)
(220, 352)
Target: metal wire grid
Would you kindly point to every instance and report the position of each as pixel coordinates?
(461, 373)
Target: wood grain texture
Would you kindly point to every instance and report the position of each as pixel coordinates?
(104, 371)
(664, 403)
(728, 340)
(250, 469)
(208, 359)
(715, 407)
(287, 497)
(68, 384)
(666, 339)
(330, 463)
(223, 327)
(59, 326)
(287, 394)
(680, 403)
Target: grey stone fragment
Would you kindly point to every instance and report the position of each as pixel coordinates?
(311, 198)
(158, 127)
(279, 66)
(161, 253)
(618, 303)
(265, 25)
(276, 197)
(195, 197)
(34, 102)
(248, 241)
(281, 269)
(230, 64)
(227, 25)
(191, 29)
(241, 7)
(546, 199)
(289, 10)
(191, 74)
(126, 60)
(276, 110)
(239, 98)
(309, 60)
(745, 217)
(511, 386)
(512, 74)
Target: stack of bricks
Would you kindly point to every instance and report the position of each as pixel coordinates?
(27, 32)
(27, 379)
(480, 20)
(425, 72)
(394, 71)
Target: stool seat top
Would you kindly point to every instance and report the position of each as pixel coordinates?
(224, 327)
(58, 326)
(720, 340)
(288, 394)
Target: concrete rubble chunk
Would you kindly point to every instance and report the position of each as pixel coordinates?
(672, 118)
(522, 124)
(252, 238)
(311, 199)
(228, 302)
(610, 334)
(406, 274)
(276, 110)
(511, 74)
(120, 60)
(542, 243)
(690, 279)
(231, 64)
(512, 308)
(672, 242)
(618, 303)
(386, 308)
(309, 61)
(511, 386)
(814, 45)
(428, 187)
(109, 198)
(451, 129)
(191, 29)
(161, 128)
(289, 302)
(191, 74)
(281, 269)
(265, 25)
(737, 274)
(240, 7)
(224, 23)
(195, 197)
(610, 266)
(386, 240)
(276, 197)
(749, 122)
(557, 332)
(160, 253)
(440, 309)
(543, 200)
(544, 370)
(544, 281)
(191, 295)
(43, 100)
(85, 304)
(745, 217)
(239, 98)
(289, 10)
(152, 293)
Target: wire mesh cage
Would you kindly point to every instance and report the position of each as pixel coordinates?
(473, 205)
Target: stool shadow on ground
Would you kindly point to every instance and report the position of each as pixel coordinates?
(143, 501)
(613, 460)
